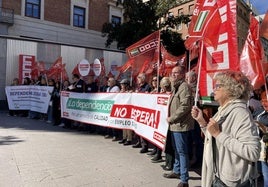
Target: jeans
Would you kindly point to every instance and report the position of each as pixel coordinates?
(264, 169)
(180, 145)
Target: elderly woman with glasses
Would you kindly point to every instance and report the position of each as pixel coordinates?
(236, 148)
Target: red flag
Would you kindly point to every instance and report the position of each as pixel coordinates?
(56, 70)
(264, 27)
(126, 66)
(37, 68)
(110, 74)
(205, 23)
(75, 70)
(252, 57)
(218, 47)
(143, 53)
(34, 70)
(168, 61)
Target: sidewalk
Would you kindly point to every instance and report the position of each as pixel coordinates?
(34, 153)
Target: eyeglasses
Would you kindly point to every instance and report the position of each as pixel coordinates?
(217, 86)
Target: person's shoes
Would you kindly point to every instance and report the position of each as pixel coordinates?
(115, 139)
(74, 126)
(153, 152)
(107, 136)
(171, 175)
(23, 115)
(156, 159)
(122, 141)
(127, 143)
(137, 145)
(167, 168)
(183, 184)
(144, 150)
(80, 128)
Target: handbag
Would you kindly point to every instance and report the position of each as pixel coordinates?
(217, 182)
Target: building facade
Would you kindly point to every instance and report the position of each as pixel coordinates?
(186, 7)
(263, 40)
(48, 29)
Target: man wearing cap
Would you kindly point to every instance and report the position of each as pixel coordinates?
(127, 133)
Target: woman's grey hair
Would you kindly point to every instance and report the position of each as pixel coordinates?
(236, 84)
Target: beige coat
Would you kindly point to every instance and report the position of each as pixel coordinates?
(238, 146)
(180, 105)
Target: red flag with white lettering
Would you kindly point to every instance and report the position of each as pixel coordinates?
(252, 58)
(214, 26)
(143, 53)
(206, 15)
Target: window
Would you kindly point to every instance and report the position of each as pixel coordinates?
(191, 9)
(180, 12)
(79, 17)
(116, 20)
(32, 8)
(238, 24)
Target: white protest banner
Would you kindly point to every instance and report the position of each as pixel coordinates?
(88, 107)
(146, 115)
(34, 98)
(18, 97)
(120, 110)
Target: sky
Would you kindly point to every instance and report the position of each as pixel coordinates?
(260, 5)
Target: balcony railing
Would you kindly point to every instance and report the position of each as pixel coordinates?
(6, 15)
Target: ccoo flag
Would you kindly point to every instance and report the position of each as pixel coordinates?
(205, 23)
(252, 57)
(214, 28)
(143, 54)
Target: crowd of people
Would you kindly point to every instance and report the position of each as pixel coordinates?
(233, 136)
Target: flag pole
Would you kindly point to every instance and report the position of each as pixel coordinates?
(131, 77)
(158, 61)
(61, 74)
(199, 73)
